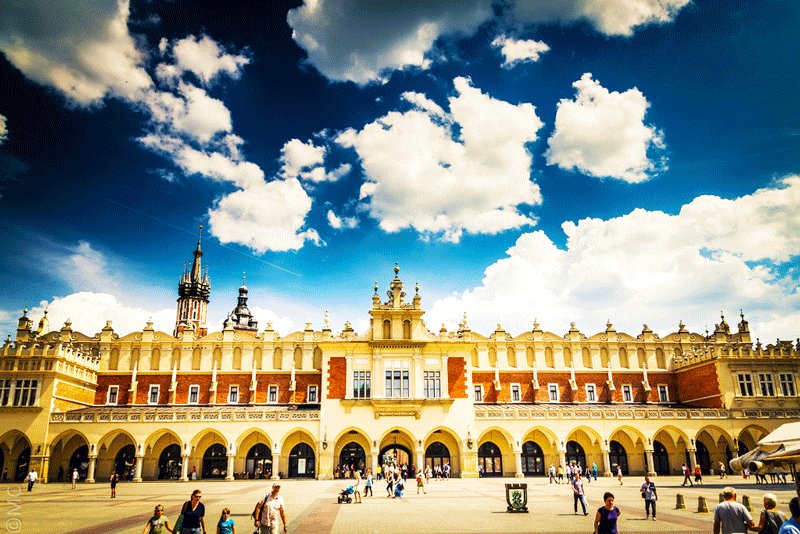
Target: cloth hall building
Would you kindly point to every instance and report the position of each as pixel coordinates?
(244, 402)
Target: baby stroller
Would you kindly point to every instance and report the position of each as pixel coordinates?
(346, 495)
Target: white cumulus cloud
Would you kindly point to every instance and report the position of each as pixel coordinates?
(363, 41)
(602, 133)
(420, 174)
(203, 57)
(519, 50)
(191, 112)
(620, 17)
(82, 49)
(337, 223)
(297, 156)
(650, 267)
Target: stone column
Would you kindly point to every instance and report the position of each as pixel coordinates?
(185, 468)
(648, 454)
(375, 461)
(276, 464)
(606, 464)
(421, 460)
(562, 458)
(469, 464)
(44, 467)
(229, 474)
(90, 473)
(692, 457)
(518, 463)
(137, 470)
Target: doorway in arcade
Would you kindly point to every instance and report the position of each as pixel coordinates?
(398, 455)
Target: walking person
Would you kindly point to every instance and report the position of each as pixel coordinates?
(698, 475)
(619, 474)
(771, 519)
(368, 484)
(723, 472)
(193, 512)
(389, 482)
(578, 495)
(605, 520)
(686, 475)
(31, 479)
(792, 526)
(552, 473)
(357, 487)
(225, 525)
(594, 471)
(560, 473)
(114, 478)
(731, 517)
(421, 484)
(650, 497)
(268, 510)
(158, 524)
(75, 477)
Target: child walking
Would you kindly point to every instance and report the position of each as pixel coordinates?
(226, 524)
(158, 524)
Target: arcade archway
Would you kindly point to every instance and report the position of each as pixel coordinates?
(302, 461)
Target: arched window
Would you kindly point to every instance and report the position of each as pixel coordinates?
(475, 359)
(640, 356)
(155, 359)
(406, 329)
(492, 357)
(587, 358)
(216, 358)
(113, 360)
(169, 463)
(258, 354)
(530, 356)
(604, 357)
(317, 358)
(623, 358)
(549, 360)
(511, 354)
(437, 454)
(575, 453)
(532, 459)
(258, 463)
(567, 357)
(215, 462)
(196, 357)
(176, 359)
(134, 359)
(490, 460)
(618, 457)
(387, 329)
(277, 358)
(298, 358)
(661, 362)
(237, 358)
(302, 462)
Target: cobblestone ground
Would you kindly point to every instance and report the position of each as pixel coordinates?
(457, 506)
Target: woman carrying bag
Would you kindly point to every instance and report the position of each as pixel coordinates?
(192, 518)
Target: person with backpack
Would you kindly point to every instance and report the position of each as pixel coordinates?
(605, 520)
(771, 519)
(650, 497)
(267, 510)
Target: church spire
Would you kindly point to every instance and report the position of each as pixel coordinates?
(194, 290)
(197, 269)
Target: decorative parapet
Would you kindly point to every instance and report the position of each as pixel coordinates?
(179, 414)
(543, 412)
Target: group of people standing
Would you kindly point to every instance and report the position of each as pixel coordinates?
(268, 516)
(731, 517)
(573, 470)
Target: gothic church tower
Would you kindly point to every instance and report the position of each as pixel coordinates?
(194, 290)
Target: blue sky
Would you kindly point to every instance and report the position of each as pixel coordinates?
(556, 160)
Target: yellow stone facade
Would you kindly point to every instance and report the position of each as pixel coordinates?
(242, 403)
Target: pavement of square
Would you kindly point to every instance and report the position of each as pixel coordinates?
(450, 506)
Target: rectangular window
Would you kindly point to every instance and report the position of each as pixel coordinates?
(787, 384)
(25, 392)
(152, 398)
(766, 384)
(433, 384)
(627, 393)
(5, 392)
(397, 379)
(233, 395)
(113, 395)
(311, 396)
(552, 391)
(515, 393)
(362, 384)
(663, 393)
(745, 385)
(478, 393)
(591, 393)
(272, 395)
(194, 394)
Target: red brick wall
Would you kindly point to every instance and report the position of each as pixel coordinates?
(700, 382)
(143, 388)
(337, 378)
(457, 378)
(105, 380)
